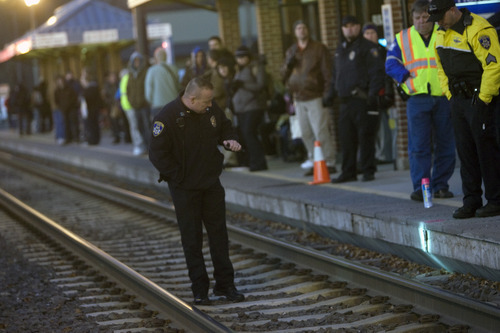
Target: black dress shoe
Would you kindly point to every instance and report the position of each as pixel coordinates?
(344, 179)
(231, 294)
(464, 212)
(488, 210)
(202, 300)
(417, 195)
(258, 169)
(443, 194)
(368, 177)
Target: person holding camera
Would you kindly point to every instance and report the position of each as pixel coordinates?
(411, 61)
(307, 72)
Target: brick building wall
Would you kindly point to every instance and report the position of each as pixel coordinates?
(270, 39)
(229, 23)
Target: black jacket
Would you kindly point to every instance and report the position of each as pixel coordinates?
(184, 145)
(359, 69)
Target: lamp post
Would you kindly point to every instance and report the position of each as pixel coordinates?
(30, 4)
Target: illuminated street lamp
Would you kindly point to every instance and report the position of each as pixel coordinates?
(31, 3)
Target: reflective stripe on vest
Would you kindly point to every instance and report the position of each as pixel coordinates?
(420, 61)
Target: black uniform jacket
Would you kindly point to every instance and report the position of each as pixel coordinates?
(358, 65)
(184, 145)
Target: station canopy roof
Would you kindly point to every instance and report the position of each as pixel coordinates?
(73, 25)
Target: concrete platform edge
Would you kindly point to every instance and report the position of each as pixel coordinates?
(406, 237)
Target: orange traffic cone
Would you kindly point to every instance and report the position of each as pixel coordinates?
(321, 174)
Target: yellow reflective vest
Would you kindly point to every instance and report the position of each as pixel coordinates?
(123, 93)
(420, 61)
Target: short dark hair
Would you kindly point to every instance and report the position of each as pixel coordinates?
(420, 6)
(195, 85)
(217, 38)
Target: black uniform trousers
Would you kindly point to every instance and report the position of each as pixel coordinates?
(478, 150)
(358, 127)
(195, 208)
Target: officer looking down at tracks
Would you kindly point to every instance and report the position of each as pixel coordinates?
(184, 149)
(468, 53)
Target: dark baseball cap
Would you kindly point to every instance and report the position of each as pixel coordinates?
(437, 9)
(349, 19)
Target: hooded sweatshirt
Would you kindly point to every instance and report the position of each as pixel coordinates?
(135, 84)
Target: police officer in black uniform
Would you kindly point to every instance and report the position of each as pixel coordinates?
(184, 149)
(358, 77)
(468, 55)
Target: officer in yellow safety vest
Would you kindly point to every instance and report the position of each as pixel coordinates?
(411, 62)
(468, 55)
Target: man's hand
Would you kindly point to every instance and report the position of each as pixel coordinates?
(232, 145)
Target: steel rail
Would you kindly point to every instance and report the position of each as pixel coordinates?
(165, 303)
(447, 304)
(435, 300)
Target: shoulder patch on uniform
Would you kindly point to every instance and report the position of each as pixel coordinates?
(485, 41)
(213, 121)
(158, 127)
(490, 58)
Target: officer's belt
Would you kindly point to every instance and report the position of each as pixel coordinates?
(462, 89)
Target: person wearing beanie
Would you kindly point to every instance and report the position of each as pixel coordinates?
(197, 65)
(226, 69)
(307, 73)
(249, 102)
(431, 147)
(383, 145)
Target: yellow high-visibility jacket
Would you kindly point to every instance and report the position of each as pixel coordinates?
(471, 55)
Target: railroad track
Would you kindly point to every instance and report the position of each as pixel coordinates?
(288, 288)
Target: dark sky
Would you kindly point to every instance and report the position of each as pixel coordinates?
(15, 16)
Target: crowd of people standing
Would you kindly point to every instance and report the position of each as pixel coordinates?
(353, 92)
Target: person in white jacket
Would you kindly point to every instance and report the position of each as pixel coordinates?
(161, 84)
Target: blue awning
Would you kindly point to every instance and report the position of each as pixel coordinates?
(79, 22)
